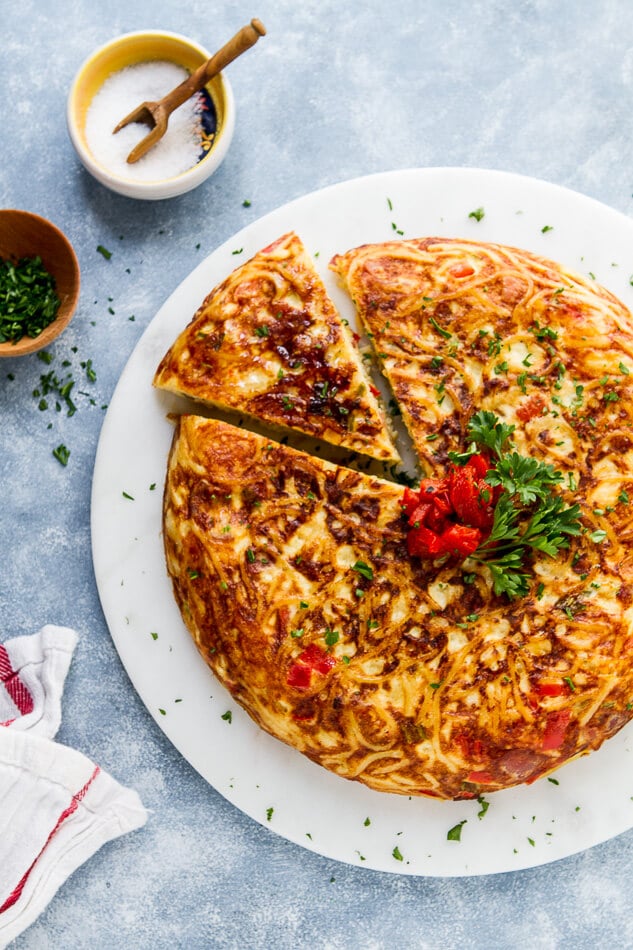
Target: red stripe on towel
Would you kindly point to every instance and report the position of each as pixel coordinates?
(67, 812)
(14, 685)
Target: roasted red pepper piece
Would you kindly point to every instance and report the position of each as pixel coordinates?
(464, 497)
(312, 659)
(418, 517)
(299, 676)
(555, 729)
(460, 539)
(480, 464)
(480, 778)
(549, 689)
(471, 498)
(410, 501)
(462, 270)
(422, 542)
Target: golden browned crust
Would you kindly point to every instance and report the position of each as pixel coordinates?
(461, 326)
(268, 343)
(429, 684)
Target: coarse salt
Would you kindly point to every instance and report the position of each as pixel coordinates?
(177, 151)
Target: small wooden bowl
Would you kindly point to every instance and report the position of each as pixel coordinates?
(23, 234)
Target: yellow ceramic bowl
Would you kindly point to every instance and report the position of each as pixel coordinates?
(130, 49)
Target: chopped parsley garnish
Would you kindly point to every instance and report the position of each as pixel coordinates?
(396, 854)
(598, 536)
(227, 716)
(455, 833)
(331, 636)
(440, 330)
(364, 570)
(104, 252)
(477, 214)
(28, 300)
(62, 454)
(262, 331)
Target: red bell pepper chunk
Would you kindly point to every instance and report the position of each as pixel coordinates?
(555, 729)
(436, 518)
(462, 270)
(299, 676)
(418, 516)
(410, 501)
(429, 487)
(317, 658)
(422, 542)
(480, 465)
(471, 498)
(311, 660)
(481, 778)
(460, 539)
(549, 689)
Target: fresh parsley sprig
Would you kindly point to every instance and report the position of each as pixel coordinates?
(489, 432)
(525, 477)
(528, 516)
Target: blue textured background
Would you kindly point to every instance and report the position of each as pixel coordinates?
(540, 87)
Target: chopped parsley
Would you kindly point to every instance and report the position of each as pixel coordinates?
(62, 454)
(364, 570)
(331, 636)
(440, 330)
(28, 299)
(455, 833)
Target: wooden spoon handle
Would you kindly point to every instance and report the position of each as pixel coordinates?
(243, 40)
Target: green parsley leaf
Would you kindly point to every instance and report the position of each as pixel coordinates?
(331, 636)
(440, 330)
(364, 570)
(489, 432)
(598, 536)
(62, 454)
(455, 833)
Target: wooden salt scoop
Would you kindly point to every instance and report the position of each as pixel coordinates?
(156, 114)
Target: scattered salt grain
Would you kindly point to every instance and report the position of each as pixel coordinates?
(123, 91)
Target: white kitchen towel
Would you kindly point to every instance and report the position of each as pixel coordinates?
(57, 807)
(32, 674)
